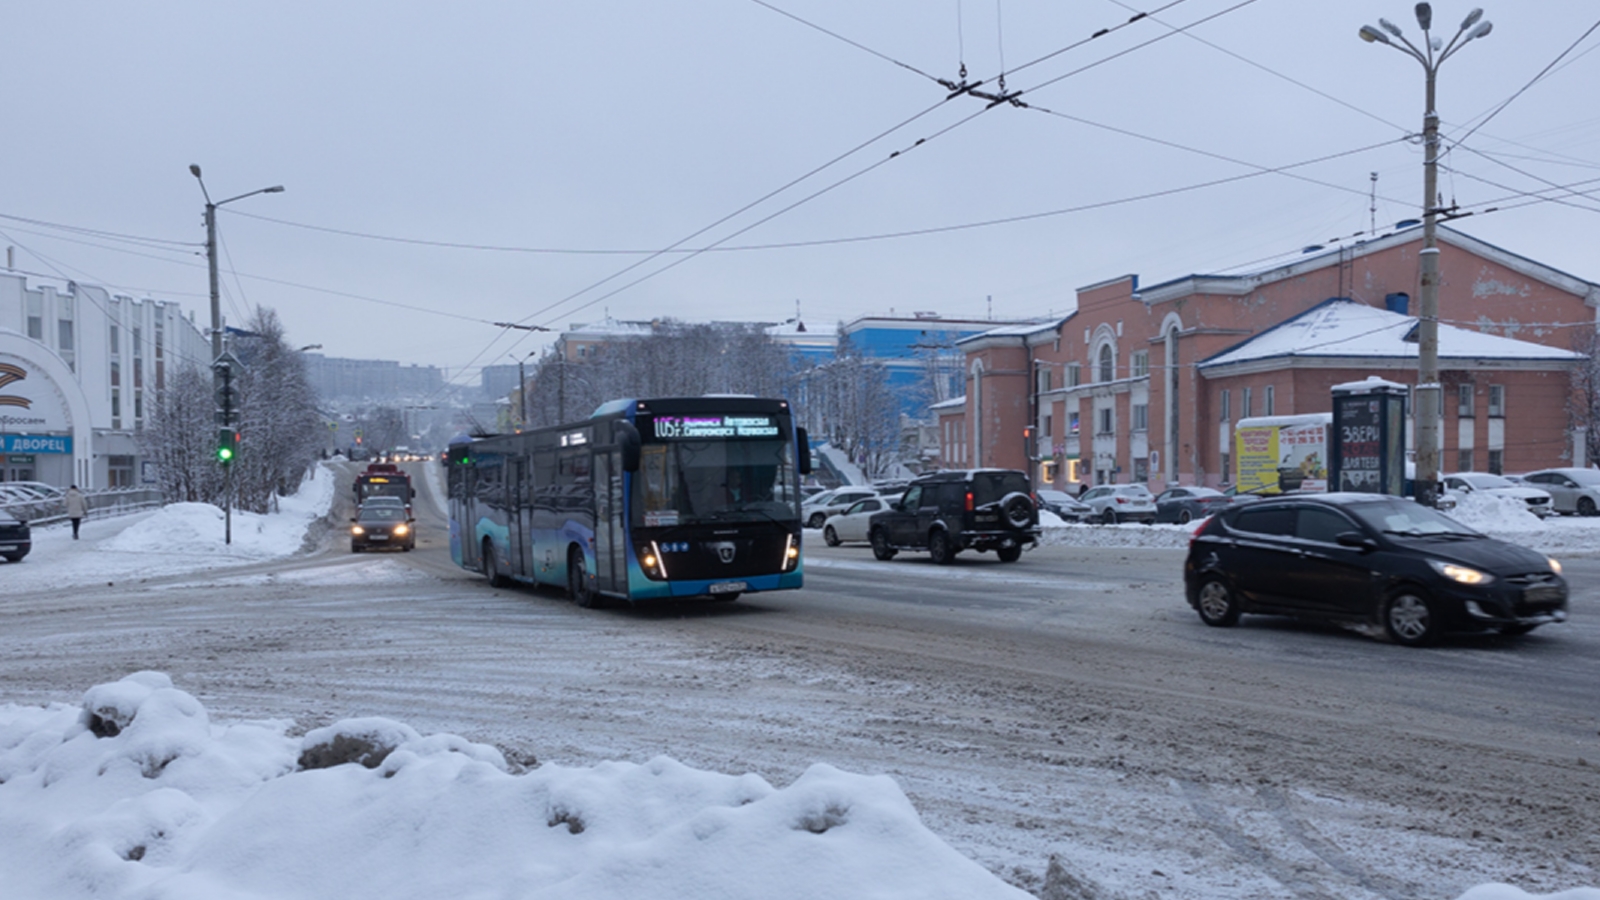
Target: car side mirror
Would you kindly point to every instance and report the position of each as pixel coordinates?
(352, 518)
(1355, 539)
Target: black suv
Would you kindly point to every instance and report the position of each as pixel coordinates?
(1368, 558)
(945, 513)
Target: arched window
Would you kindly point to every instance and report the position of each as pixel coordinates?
(1107, 364)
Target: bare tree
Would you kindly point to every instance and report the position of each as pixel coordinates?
(181, 438)
(1583, 401)
(279, 426)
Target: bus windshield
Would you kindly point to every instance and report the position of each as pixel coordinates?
(715, 481)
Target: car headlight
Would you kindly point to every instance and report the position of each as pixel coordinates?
(1555, 564)
(357, 529)
(1461, 574)
(401, 529)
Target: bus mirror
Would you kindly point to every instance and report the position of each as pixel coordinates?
(628, 439)
(805, 451)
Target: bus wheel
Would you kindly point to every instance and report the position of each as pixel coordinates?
(579, 586)
(491, 569)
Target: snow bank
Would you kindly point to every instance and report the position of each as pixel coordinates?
(163, 803)
(200, 527)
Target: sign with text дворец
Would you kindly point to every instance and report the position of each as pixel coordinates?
(35, 443)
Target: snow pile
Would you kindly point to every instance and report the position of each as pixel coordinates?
(188, 528)
(1495, 513)
(137, 794)
(1055, 532)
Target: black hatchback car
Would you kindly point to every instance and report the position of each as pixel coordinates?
(16, 538)
(382, 525)
(947, 512)
(1368, 558)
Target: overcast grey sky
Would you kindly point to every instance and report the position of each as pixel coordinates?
(509, 129)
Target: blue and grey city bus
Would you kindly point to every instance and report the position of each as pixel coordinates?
(644, 500)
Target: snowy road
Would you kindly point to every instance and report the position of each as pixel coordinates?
(1068, 705)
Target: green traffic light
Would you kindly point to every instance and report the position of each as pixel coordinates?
(225, 454)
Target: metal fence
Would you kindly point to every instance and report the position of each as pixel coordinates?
(102, 504)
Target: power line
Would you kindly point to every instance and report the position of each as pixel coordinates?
(1524, 88)
(93, 232)
(841, 37)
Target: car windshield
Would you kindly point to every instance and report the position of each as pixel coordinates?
(384, 513)
(1485, 481)
(1407, 519)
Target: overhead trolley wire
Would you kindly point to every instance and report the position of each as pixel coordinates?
(837, 36)
(1520, 91)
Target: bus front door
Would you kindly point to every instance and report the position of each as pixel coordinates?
(610, 550)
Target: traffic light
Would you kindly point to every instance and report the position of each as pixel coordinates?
(227, 394)
(1030, 447)
(227, 445)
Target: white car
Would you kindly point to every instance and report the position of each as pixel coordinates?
(816, 511)
(1572, 490)
(852, 524)
(1113, 503)
(1537, 500)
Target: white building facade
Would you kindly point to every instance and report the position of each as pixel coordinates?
(81, 370)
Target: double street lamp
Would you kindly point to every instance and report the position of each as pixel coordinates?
(1432, 54)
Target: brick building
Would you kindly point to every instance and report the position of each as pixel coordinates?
(1145, 384)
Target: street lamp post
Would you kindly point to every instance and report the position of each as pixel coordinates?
(219, 365)
(1431, 55)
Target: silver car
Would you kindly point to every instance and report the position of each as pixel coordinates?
(816, 511)
(1113, 503)
(1571, 490)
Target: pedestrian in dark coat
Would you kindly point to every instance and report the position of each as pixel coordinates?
(77, 508)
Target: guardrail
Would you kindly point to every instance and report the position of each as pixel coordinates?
(113, 502)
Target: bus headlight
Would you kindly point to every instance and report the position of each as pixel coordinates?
(791, 553)
(651, 561)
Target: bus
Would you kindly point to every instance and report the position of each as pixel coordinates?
(645, 500)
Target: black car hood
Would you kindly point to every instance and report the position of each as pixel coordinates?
(1489, 554)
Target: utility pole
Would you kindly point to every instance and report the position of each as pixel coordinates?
(1426, 411)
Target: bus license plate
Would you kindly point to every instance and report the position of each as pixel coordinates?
(727, 587)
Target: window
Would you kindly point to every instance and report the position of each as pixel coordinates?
(138, 405)
(64, 335)
(1227, 473)
(1141, 469)
(1272, 520)
(1322, 525)
(1108, 364)
(1225, 411)
(1104, 423)
(116, 408)
(1072, 422)
(1497, 461)
(1463, 460)
(1141, 417)
(1043, 379)
(116, 374)
(1267, 401)
(1246, 412)
(1464, 401)
(116, 340)
(36, 327)
(1497, 402)
(1049, 425)
(119, 471)
(1074, 375)
(1141, 364)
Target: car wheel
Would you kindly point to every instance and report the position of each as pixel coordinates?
(1185, 517)
(1516, 630)
(816, 520)
(880, 545)
(939, 548)
(1218, 607)
(1009, 554)
(1109, 516)
(830, 537)
(1409, 618)
(355, 547)
(1586, 506)
(580, 587)
(491, 567)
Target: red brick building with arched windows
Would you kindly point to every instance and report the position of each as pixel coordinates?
(1145, 384)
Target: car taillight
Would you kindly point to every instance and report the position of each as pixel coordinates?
(1122, 499)
(969, 501)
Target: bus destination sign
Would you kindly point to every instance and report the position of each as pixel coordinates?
(683, 428)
